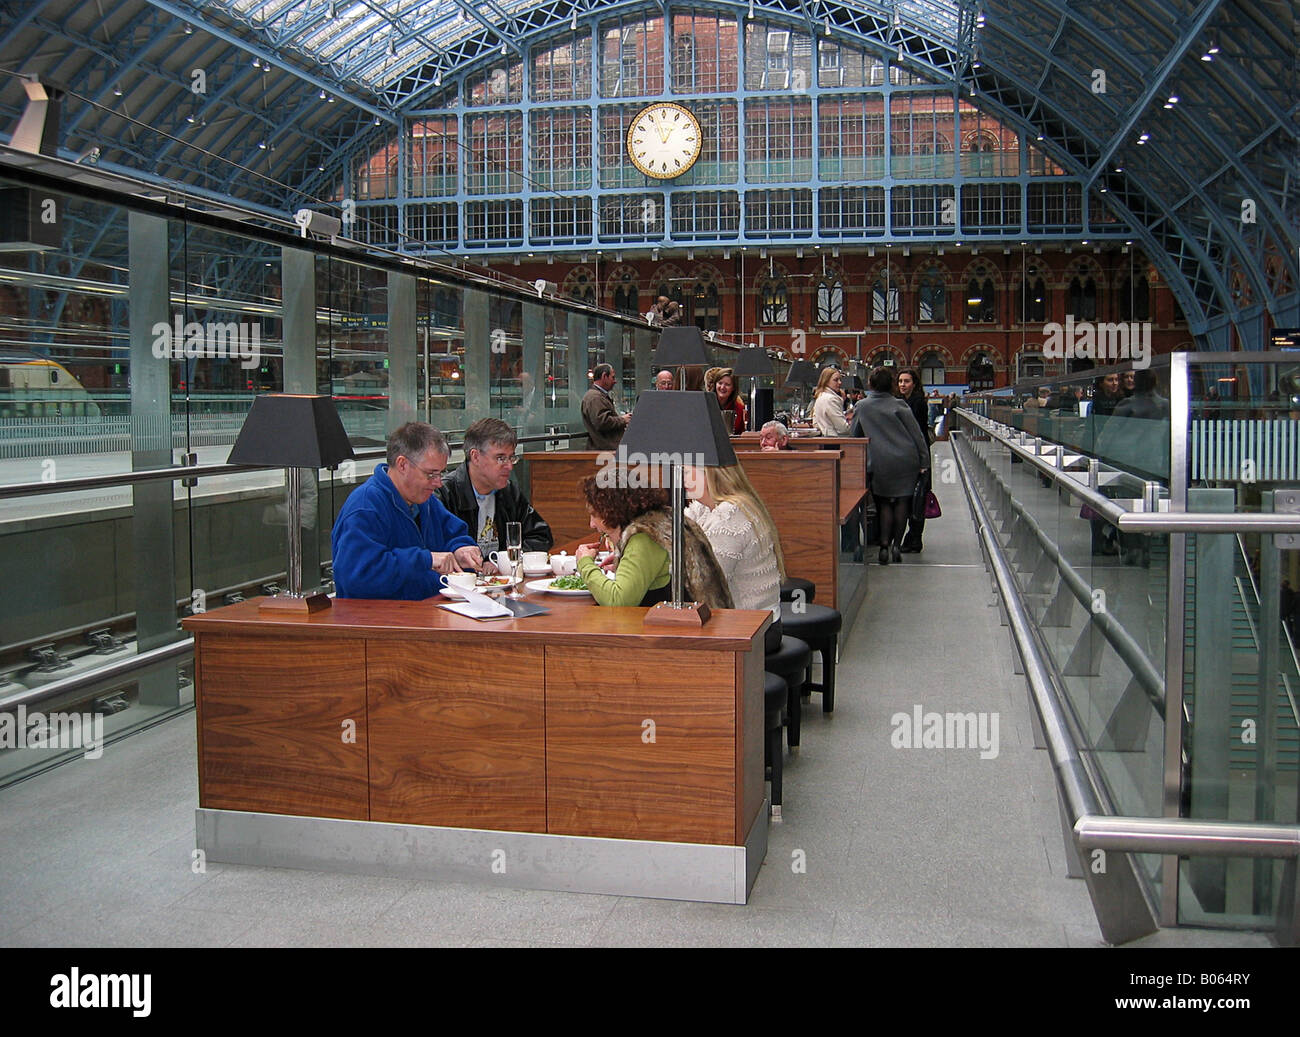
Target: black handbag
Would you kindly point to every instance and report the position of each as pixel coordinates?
(918, 497)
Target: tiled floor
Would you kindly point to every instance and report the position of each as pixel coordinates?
(879, 846)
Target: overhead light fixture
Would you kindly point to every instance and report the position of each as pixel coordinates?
(828, 27)
(503, 48)
(322, 95)
(900, 52)
(573, 22)
(330, 99)
(189, 29)
(117, 91)
(190, 118)
(256, 63)
(751, 10)
(437, 78)
(262, 145)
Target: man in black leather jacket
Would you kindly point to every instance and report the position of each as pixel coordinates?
(482, 494)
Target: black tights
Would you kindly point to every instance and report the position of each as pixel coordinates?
(893, 512)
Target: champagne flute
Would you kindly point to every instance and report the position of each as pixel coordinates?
(515, 557)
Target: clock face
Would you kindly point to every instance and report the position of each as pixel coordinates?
(664, 141)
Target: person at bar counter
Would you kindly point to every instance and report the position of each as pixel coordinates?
(727, 508)
(638, 525)
(605, 425)
(664, 381)
(774, 436)
(392, 537)
(721, 381)
(828, 404)
(481, 494)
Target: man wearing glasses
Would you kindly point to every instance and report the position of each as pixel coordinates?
(392, 537)
(481, 495)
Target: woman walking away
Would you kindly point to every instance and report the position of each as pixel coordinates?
(909, 388)
(828, 404)
(896, 456)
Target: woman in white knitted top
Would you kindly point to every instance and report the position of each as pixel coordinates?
(828, 404)
(742, 534)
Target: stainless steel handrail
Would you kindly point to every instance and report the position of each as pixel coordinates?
(1188, 836)
(1129, 651)
(1092, 827)
(1136, 521)
(101, 674)
(99, 482)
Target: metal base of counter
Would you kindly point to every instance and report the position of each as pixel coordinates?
(518, 860)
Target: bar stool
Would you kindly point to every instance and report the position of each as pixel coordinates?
(819, 627)
(790, 661)
(797, 583)
(775, 694)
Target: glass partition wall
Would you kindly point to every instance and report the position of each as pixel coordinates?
(139, 345)
(1177, 652)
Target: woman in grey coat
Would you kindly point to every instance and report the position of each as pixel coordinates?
(896, 456)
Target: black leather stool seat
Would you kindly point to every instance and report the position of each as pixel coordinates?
(790, 661)
(775, 694)
(819, 627)
(793, 583)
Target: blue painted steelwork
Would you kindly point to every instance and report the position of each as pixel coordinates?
(1230, 139)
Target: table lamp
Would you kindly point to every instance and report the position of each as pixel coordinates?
(680, 348)
(802, 373)
(678, 426)
(290, 431)
(753, 363)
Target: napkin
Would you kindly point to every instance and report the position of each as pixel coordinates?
(479, 606)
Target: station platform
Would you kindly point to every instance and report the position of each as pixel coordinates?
(879, 846)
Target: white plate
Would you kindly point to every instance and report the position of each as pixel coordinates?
(538, 572)
(457, 595)
(545, 586)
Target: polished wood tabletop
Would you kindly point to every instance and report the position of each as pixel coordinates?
(577, 618)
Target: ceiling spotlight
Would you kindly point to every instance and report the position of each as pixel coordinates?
(322, 95)
(900, 52)
(573, 22)
(751, 10)
(189, 29)
(262, 144)
(376, 120)
(256, 63)
(828, 27)
(330, 99)
(503, 48)
(437, 78)
(117, 91)
(189, 118)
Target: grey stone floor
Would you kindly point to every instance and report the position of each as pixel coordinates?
(879, 846)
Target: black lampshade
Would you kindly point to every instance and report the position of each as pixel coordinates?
(802, 372)
(681, 347)
(688, 424)
(753, 362)
(291, 431)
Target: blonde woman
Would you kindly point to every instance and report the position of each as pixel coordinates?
(742, 534)
(828, 404)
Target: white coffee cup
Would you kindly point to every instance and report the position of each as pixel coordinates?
(564, 564)
(501, 560)
(534, 560)
(463, 582)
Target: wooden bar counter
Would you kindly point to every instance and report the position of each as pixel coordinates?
(581, 723)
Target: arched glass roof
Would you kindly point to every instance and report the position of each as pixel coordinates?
(1181, 115)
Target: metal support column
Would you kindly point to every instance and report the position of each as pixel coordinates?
(152, 509)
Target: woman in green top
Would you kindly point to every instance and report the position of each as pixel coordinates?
(638, 525)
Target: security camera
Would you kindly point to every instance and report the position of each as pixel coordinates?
(317, 223)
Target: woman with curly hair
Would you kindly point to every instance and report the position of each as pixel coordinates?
(637, 523)
(828, 404)
(721, 381)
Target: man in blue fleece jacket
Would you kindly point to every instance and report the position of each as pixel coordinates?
(393, 537)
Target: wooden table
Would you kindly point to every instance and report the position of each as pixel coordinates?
(581, 723)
